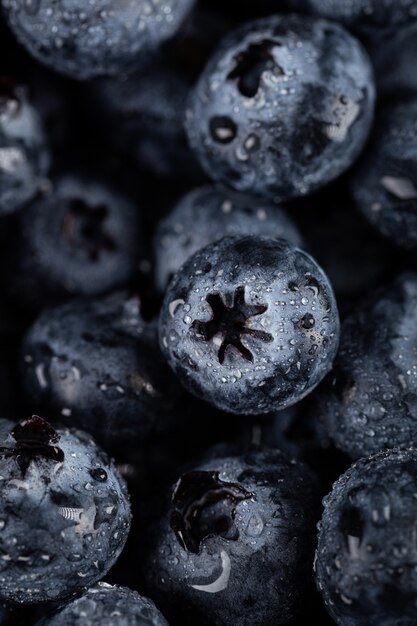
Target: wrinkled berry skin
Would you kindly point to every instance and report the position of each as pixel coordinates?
(284, 106)
(24, 157)
(208, 214)
(362, 13)
(370, 402)
(249, 324)
(88, 39)
(366, 564)
(96, 364)
(107, 605)
(254, 558)
(79, 238)
(385, 186)
(64, 513)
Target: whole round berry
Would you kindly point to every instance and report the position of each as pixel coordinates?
(107, 605)
(237, 543)
(208, 214)
(64, 513)
(283, 107)
(250, 324)
(371, 400)
(79, 238)
(366, 563)
(24, 158)
(385, 186)
(95, 364)
(87, 39)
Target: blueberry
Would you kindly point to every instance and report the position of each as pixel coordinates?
(362, 13)
(370, 401)
(104, 602)
(84, 40)
(208, 214)
(144, 114)
(60, 528)
(96, 365)
(283, 107)
(236, 545)
(79, 238)
(366, 564)
(24, 157)
(385, 187)
(250, 324)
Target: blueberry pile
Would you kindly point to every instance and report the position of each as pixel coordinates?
(208, 313)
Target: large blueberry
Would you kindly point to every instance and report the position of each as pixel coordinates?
(64, 512)
(250, 324)
(87, 39)
(366, 564)
(235, 546)
(103, 602)
(24, 158)
(385, 186)
(370, 401)
(96, 365)
(208, 214)
(79, 238)
(283, 107)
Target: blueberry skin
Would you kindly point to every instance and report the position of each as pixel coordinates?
(64, 513)
(252, 540)
(360, 13)
(370, 402)
(283, 107)
(366, 562)
(207, 214)
(385, 186)
(249, 324)
(95, 364)
(24, 156)
(84, 40)
(107, 605)
(79, 238)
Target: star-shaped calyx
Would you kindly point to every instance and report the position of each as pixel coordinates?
(34, 437)
(231, 322)
(85, 227)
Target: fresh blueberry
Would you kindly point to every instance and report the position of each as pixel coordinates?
(385, 187)
(107, 605)
(283, 107)
(79, 238)
(64, 512)
(24, 157)
(362, 13)
(87, 39)
(144, 114)
(370, 400)
(366, 564)
(250, 324)
(96, 365)
(208, 214)
(236, 545)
